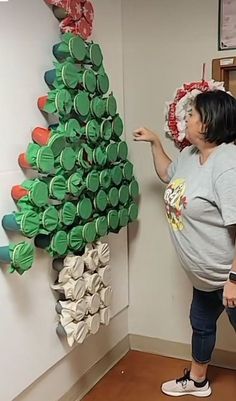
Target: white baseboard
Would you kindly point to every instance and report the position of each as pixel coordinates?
(221, 358)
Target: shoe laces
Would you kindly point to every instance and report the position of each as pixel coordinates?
(184, 379)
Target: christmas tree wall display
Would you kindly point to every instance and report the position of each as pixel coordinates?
(84, 187)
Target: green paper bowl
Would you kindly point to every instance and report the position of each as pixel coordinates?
(123, 194)
(70, 75)
(128, 170)
(67, 159)
(133, 212)
(89, 232)
(112, 152)
(38, 193)
(123, 217)
(113, 196)
(49, 219)
(67, 214)
(75, 238)
(30, 223)
(134, 189)
(57, 187)
(45, 160)
(102, 83)
(21, 256)
(41, 159)
(97, 107)
(117, 126)
(116, 175)
(85, 157)
(113, 219)
(101, 201)
(89, 81)
(101, 225)
(84, 209)
(56, 143)
(59, 243)
(95, 55)
(82, 104)
(77, 48)
(74, 183)
(105, 179)
(111, 106)
(106, 130)
(100, 156)
(63, 102)
(27, 223)
(122, 150)
(92, 181)
(72, 130)
(92, 131)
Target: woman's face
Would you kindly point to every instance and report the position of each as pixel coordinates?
(194, 126)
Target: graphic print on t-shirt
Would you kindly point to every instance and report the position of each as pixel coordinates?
(175, 201)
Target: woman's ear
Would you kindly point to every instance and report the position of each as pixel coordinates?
(203, 128)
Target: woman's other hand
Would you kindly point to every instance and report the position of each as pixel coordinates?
(229, 296)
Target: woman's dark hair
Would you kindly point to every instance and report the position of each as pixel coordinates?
(217, 110)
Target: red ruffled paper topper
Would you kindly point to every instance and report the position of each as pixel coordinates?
(80, 27)
(80, 16)
(88, 12)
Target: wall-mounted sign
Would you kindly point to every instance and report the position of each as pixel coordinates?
(227, 25)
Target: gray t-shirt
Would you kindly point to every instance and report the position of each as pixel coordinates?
(201, 209)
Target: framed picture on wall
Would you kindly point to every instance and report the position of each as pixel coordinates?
(227, 25)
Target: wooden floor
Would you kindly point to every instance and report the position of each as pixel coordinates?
(138, 377)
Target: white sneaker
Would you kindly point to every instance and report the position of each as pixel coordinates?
(186, 386)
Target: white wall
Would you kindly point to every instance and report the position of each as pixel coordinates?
(29, 345)
(165, 44)
(62, 376)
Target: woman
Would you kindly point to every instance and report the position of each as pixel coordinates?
(200, 201)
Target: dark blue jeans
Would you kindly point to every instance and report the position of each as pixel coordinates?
(205, 310)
